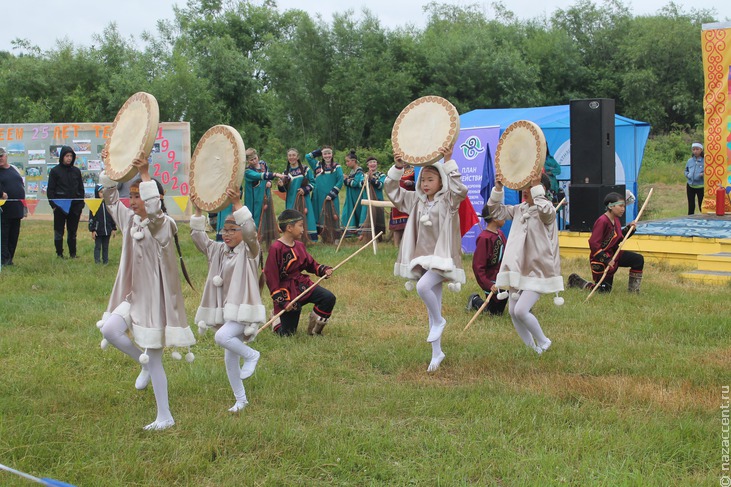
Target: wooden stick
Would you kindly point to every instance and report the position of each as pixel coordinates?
(560, 204)
(370, 214)
(377, 203)
(316, 283)
(345, 228)
(621, 244)
(482, 308)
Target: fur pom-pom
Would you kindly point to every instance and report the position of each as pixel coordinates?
(99, 324)
(189, 357)
(144, 358)
(138, 235)
(424, 218)
(514, 296)
(428, 223)
(558, 300)
(104, 344)
(410, 286)
(202, 327)
(217, 281)
(455, 287)
(176, 355)
(250, 330)
(502, 295)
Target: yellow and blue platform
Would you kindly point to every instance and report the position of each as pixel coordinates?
(700, 245)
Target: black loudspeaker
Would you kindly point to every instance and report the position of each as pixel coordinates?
(586, 204)
(592, 141)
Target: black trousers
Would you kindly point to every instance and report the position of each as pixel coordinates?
(101, 246)
(10, 228)
(70, 221)
(494, 307)
(324, 302)
(692, 194)
(630, 259)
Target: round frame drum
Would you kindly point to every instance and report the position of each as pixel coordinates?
(425, 125)
(218, 163)
(133, 131)
(520, 152)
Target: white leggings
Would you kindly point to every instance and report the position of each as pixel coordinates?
(115, 331)
(525, 323)
(230, 337)
(429, 288)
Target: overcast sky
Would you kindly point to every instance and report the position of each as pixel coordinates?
(45, 21)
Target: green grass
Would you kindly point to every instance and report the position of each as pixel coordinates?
(629, 394)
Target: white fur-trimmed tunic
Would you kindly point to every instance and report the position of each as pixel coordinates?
(237, 298)
(431, 239)
(147, 291)
(531, 260)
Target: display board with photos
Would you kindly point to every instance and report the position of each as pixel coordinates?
(34, 150)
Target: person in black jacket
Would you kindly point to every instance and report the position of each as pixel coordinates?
(65, 183)
(102, 228)
(13, 189)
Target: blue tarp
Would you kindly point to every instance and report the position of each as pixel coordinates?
(630, 138)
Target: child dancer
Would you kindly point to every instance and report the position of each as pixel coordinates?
(606, 235)
(531, 263)
(298, 183)
(231, 298)
(287, 259)
(147, 298)
(328, 182)
(430, 249)
(486, 263)
(102, 228)
(351, 206)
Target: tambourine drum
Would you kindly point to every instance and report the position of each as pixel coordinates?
(425, 125)
(520, 152)
(218, 163)
(134, 130)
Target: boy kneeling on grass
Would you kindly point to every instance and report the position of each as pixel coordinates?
(287, 258)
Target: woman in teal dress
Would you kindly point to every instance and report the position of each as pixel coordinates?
(354, 182)
(299, 181)
(375, 183)
(257, 185)
(328, 181)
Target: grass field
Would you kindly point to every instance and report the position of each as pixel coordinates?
(629, 394)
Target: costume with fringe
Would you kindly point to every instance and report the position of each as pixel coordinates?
(231, 292)
(328, 182)
(255, 189)
(431, 239)
(147, 291)
(301, 177)
(531, 260)
(353, 185)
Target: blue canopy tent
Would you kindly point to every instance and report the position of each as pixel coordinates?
(630, 139)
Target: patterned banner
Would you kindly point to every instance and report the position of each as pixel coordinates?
(716, 43)
(93, 204)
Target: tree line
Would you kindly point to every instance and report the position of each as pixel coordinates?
(286, 79)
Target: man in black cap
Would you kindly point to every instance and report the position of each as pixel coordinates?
(65, 183)
(11, 188)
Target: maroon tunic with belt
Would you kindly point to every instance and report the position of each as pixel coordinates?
(283, 272)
